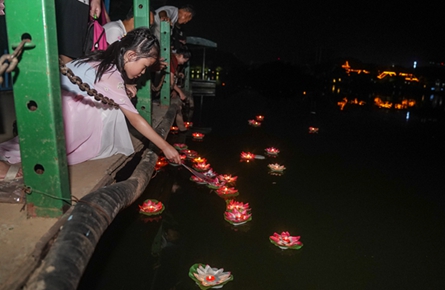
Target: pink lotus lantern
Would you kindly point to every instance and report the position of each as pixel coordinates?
(247, 156)
(313, 130)
(215, 184)
(240, 206)
(202, 166)
(197, 180)
(190, 154)
(199, 160)
(226, 192)
(237, 217)
(254, 123)
(226, 178)
(198, 136)
(272, 151)
(188, 124)
(259, 118)
(151, 207)
(180, 146)
(174, 129)
(286, 241)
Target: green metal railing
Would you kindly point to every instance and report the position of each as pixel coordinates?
(38, 104)
(142, 19)
(38, 107)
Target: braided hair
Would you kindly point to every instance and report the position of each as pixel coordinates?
(139, 40)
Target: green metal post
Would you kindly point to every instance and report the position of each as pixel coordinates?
(165, 54)
(38, 107)
(142, 19)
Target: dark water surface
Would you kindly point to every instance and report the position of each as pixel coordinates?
(366, 195)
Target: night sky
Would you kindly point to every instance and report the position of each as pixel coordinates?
(382, 32)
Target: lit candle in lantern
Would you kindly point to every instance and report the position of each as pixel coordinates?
(272, 151)
(259, 118)
(198, 135)
(199, 160)
(247, 156)
(210, 278)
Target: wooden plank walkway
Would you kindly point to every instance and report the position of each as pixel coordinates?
(24, 240)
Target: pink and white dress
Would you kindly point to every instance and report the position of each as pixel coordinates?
(92, 130)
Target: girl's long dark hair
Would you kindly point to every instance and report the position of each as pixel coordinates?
(139, 40)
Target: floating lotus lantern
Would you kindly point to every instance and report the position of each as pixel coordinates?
(162, 161)
(276, 167)
(259, 118)
(237, 217)
(197, 180)
(188, 124)
(215, 184)
(227, 178)
(272, 151)
(207, 277)
(180, 146)
(199, 160)
(313, 130)
(247, 156)
(190, 154)
(286, 241)
(226, 192)
(210, 173)
(254, 123)
(240, 206)
(151, 207)
(174, 129)
(198, 136)
(202, 166)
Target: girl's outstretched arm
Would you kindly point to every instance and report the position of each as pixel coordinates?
(140, 124)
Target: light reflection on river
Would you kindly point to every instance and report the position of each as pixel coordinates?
(365, 194)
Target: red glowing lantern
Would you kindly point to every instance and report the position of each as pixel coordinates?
(151, 207)
(259, 118)
(226, 192)
(190, 154)
(198, 136)
(247, 156)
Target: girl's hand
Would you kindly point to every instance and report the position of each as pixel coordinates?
(172, 154)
